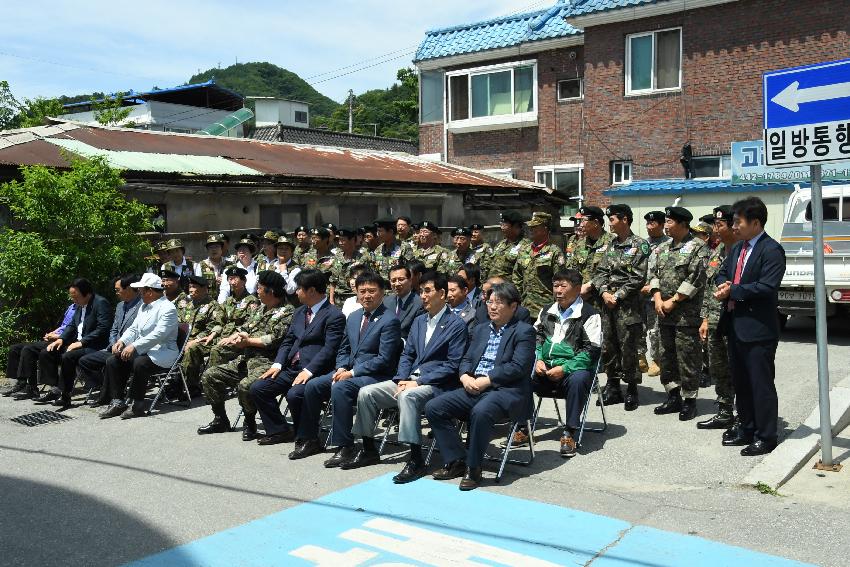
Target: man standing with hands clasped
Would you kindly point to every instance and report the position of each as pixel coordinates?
(749, 284)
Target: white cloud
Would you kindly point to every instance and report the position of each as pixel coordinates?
(108, 46)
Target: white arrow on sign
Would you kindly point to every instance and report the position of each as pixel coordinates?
(793, 96)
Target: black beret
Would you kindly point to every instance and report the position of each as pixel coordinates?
(236, 271)
(330, 226)
(198, 280)
(707, 219)
(321, 232)
(346, 232)
(171, 274)
(461, 231)
(619, 209)
(476, 226)
(369, 228)
(724, 212)
(512, 217)
(657, 216)
(302, 228)
(429, 225)
(678, 214)
(386, 222)
(592, 212)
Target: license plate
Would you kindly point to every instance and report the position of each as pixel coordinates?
(796, 296)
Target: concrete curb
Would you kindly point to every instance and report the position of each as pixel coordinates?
(791, 455)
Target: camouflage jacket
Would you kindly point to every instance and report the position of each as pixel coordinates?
(207, 270)
(264, 263)
(435, 258)
(504, 258)
(269, 324)
(182, 296)
(341, 272)
(384, 260)
(204, 316)
(455, 262)
(712, 308)
(312, 261)
(299, 253)
(622, 272)
(680, 268)
(235, 312)
(533, 276)
(585, 256)
(484, 253)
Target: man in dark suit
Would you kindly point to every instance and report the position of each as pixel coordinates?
(308, 349)
(472, 274)
(405, 304)
(87, 333)
(459, 302)
(91, 365)
(749, 283)
(428, 367)
(481, 314)
(496, 377)
(368, 355)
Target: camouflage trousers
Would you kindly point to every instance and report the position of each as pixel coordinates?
(240, 373)
(219, 355)
(193, 363)
(718, 367)
(620, 347)
(651, 325)
(681, 359)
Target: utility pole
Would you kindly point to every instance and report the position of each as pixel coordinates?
(350, 111)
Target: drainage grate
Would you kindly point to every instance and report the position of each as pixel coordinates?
(40, 418)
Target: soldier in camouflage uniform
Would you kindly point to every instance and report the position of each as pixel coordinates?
(434, 256)
(256, 343)
(302, 244)
(482, 250)
(348, 256)
(203, 313)
(503, 259)
(287, 267)
(171, 286)
(618, 280)
(320, 256)
(390, 251)
(677, 285)
(266, 258)
(213, 266)
(718, 359)
(404, 228)
(575, 238)
(234, 313)
(462, 253)
(370, 239)
(655, 231)
(536, 265)
(588, 251)
(160, 258)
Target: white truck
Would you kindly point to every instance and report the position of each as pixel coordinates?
(797, 292)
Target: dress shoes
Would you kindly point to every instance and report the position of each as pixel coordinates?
(305, 449)
(113, 410)
(672, 405)
(28, 393)
(286, 436)
(63, 402)
(471, 479)
(362, 458)
(219, 424)
(455, 469)
(741, 439)
(96, 402)
(758, 447)
(689, 409)
(134, 411)
(48, 397)
(412, 471)
(342, 455)
(722, 420)
(18, 386)
(611, 395)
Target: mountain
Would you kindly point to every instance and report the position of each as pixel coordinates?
(267, 79)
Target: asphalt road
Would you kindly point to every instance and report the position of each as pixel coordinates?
(91, 492)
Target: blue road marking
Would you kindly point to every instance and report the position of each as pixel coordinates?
(432, 523)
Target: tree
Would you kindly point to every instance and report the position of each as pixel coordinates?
(64, 224)
(30, 112)
(110, 110)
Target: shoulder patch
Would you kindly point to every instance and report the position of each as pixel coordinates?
(644, 247)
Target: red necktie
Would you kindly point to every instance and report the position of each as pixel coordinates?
(739, 270)
(307, 318)
(365, 323)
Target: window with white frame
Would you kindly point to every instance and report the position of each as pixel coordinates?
(712, 167)
(431, 96)
(494, 94)
(654, 61)
(621, 172)
(570, 89)
(566, 180)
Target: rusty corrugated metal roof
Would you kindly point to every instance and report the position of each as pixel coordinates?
(276, 159)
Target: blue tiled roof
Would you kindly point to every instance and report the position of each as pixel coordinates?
(678, 186)
(501, 32)
(584, 7)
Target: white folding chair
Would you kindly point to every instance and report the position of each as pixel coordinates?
(164, 379)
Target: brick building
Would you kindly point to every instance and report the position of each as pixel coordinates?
(620, 87)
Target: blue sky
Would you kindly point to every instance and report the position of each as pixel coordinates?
(59, 47)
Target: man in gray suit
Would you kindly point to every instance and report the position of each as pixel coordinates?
(91, 365)
(458, 300)
(405, 304)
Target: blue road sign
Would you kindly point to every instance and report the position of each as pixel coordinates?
(432, 523)
(807, 95)
(807, 114)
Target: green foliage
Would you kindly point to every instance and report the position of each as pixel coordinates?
(30, 112)
(395, 110)
(110, 111)
(766, 489)
(267, 79)
(63, 225)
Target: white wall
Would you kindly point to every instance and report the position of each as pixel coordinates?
(165, 116)
(270, 111)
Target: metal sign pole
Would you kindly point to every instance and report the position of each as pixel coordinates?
(820, 312)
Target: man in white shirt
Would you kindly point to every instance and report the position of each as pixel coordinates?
(148, 347)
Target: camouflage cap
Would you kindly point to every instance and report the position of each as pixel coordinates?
(703, 228)
(161, 246)
(270, 235)
(247, 242)
(215, 239)
(284, 240)
(174, 244)
(540, 218)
